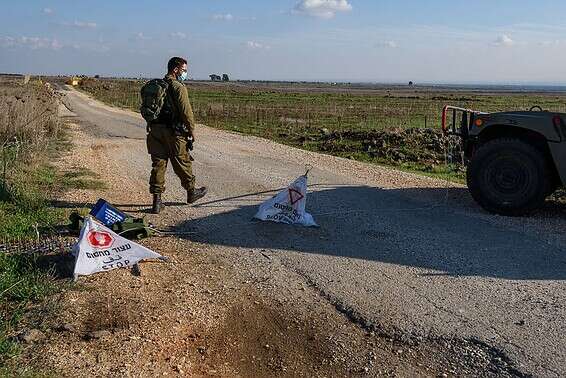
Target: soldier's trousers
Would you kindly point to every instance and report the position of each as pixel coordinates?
(163, 145)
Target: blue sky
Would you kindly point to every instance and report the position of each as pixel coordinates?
(442, 41)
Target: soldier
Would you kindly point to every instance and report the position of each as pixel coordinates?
(170, 135)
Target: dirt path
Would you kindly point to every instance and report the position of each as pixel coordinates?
(198, 316)
(405, 277)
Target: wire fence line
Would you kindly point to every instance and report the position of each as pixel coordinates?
(54, 244)
(297, 112)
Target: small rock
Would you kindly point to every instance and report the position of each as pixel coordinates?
(178, 369)
(136, 271)
(97, 334)
(33, 336)
(68, 328)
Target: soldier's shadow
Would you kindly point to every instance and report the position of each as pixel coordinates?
(440, 230)
(144, 208)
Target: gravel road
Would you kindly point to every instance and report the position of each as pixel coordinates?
(396, 254)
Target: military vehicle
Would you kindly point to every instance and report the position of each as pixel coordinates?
(514, 160)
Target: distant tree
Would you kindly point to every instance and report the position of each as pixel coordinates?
(225, 77)
(97, 76)
(410, 83)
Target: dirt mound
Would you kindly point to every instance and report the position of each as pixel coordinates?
(413, 145)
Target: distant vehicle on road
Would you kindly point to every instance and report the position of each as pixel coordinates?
(514, 159)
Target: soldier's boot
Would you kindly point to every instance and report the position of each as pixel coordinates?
(157, 204)
(196, 194)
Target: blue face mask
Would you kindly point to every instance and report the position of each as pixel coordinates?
(182, 77)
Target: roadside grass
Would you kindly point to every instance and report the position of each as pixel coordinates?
(82, 178)
(25, 283)
(26, 206)
(342, 122)
(22, 283)
(28, 182)
(27, 280)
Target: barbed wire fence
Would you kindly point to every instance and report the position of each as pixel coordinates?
(54, 244)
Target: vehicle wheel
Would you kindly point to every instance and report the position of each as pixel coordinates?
(508, 177)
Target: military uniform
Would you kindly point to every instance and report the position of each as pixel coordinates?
(165, 142)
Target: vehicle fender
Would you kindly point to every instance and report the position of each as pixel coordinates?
(531, 123)
(558, 151)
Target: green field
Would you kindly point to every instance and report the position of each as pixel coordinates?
(397, 126)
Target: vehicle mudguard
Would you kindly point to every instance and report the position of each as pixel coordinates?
(558, 151)
(532, 121)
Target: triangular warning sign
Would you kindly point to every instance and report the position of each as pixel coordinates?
(99, 249)
(295, 196)
(288, 206)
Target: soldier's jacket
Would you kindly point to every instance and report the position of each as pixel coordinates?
(179, 97)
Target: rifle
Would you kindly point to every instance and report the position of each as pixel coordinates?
(181, 129)
(190, 147)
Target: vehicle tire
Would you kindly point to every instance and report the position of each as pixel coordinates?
(508, 176)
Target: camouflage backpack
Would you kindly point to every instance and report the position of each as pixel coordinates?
(155, 105)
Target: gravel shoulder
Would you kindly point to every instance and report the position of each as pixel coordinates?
(406, 276)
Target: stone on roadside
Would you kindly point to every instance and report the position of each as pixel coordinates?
(33, 336)
(67, 327)
(97, 334)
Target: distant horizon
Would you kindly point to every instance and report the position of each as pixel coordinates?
(368, 82)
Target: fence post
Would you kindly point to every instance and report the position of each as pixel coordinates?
(340, 127)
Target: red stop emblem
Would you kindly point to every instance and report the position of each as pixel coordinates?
(99, 239)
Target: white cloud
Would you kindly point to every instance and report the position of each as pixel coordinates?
(139, 36)
(556, 42)
(80, 24)
(253, 45)
(178, 35)
(47, 11)
(388, 44)
(33, 43)
(7, 41)
(322, 8)
(94, 48)
(504, 40)
(222, 17)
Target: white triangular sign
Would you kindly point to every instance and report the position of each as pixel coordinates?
(288, 206)
(99, 249)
